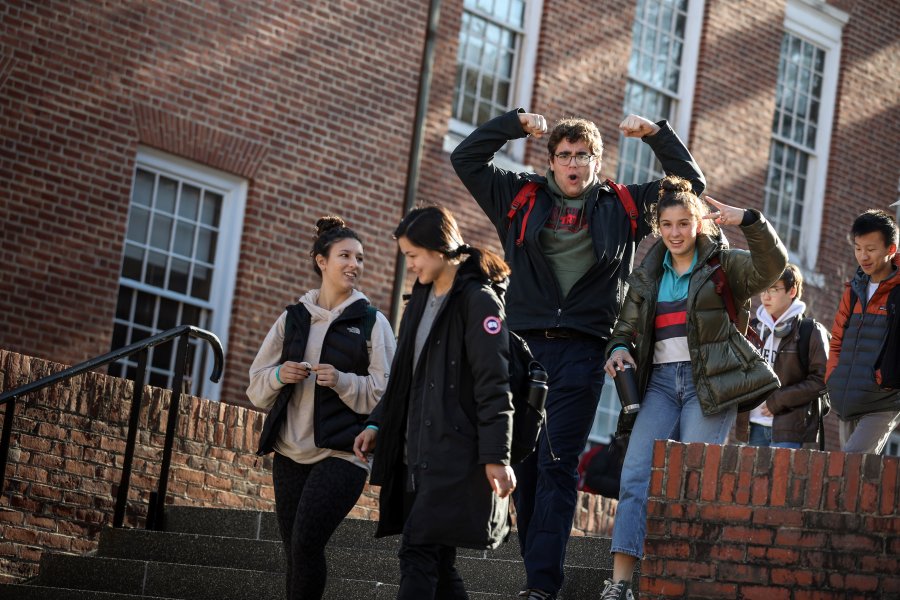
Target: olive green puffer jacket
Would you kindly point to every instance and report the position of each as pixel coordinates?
(727, 368)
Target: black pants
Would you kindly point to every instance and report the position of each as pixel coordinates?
(428, 571)
(310, 502)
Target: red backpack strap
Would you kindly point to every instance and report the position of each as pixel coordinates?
(527, 193)
(627, 203)
(723, 288)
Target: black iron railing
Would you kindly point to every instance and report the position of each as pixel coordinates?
(156, 509)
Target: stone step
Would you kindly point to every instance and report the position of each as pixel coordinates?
(586, 551)
(155, 566)
(35, 592)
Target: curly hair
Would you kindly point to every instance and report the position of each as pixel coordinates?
(677, 191)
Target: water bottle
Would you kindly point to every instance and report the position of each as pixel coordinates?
(537, 388)
(626, 387)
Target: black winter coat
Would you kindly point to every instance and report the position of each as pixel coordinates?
(535, 300)
(459, 413)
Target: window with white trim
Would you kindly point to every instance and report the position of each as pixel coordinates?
(661, 70)
(179, 263)
(495, 63)
(801, 128)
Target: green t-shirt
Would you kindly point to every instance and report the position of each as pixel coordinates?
(565, 238)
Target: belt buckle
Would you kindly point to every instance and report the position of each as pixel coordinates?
(554, 334)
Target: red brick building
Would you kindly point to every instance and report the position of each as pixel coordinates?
(164, 163)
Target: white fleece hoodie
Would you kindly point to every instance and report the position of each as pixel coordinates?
(361, 393)
(770, 346)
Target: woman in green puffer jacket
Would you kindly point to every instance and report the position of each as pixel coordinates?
(693, 366)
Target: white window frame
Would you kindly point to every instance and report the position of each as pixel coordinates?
(683, 98)
(522, 89)
(821, 25)
(231, 225)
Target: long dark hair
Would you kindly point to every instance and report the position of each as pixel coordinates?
(329, 229)
(435, 228)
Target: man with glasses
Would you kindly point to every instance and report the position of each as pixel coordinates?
(571, 248)
(790, 415)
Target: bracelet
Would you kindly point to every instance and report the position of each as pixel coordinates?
(372, 427)
(278, 374)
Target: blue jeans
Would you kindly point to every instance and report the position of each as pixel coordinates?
(761, 436)
(546, 489)
(669, 410)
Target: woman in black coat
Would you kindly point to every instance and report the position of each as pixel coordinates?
(444, 424)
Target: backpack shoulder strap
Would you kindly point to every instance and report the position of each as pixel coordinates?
(627, 202)
(723, 288)
(369, 322)
(527, 193)
(807, 325)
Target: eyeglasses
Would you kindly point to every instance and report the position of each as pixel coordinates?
(773, 290)
(582, 159)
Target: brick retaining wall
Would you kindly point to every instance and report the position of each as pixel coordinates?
(742, 522)
(66, 464)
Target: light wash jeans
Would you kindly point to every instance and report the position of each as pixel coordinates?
(761, 436)
(669, 410)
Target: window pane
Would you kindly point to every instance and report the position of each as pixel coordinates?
(144, 309)
(168, 314)
(184, 239)
(165, 197)
(202, 282)
(212, 204)
(143, 188)
(189, 202)
(162, 232)
(206, 245)
(156, 269)
(138, 220)
(123, 304)
(178, 275)
(132, 262)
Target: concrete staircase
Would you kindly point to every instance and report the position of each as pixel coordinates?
(213, 554)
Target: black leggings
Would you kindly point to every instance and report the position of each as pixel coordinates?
(310, 502)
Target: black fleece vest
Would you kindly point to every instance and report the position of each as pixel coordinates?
(335, 425)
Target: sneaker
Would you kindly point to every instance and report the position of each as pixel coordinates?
(533, 594)
(616, 591)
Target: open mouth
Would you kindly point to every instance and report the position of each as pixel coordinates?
(573, 178)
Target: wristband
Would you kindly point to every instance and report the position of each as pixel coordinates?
(372, 427)
(278, 374)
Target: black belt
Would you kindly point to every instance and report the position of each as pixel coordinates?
(559, 333)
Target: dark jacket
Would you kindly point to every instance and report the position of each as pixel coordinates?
(727, 368)
(335, 424)
(534, 300)
(856, 341)
(458, 410)
(792, 421)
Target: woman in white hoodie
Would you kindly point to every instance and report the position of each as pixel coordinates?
(321, 369)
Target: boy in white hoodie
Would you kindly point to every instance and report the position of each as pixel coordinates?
(785, 419)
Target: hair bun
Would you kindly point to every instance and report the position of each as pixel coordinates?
(674, 183)
(328, 222)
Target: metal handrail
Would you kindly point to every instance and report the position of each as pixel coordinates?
(183, 332)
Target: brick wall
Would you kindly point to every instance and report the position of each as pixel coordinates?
(67, 452)
(742, 522)
(312, 102)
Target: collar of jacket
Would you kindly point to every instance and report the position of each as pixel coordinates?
(707, 247)
(860, 281)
